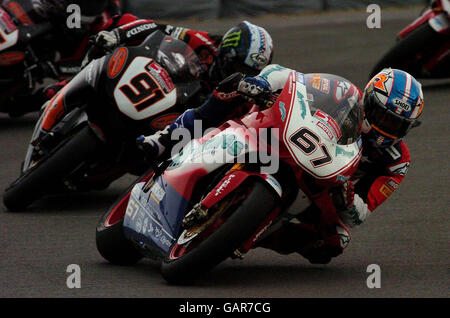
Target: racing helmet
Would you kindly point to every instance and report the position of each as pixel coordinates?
(245, 48)
(392, 104)
(57, 9)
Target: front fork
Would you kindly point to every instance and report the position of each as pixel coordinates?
(233, 179)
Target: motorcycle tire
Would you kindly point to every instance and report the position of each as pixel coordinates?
(229, 236)
(110, 239)
(423, 40)
(38, 180)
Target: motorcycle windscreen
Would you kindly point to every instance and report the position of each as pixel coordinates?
(322, 125)
(153, 218)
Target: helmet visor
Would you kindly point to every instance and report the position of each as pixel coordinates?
(386, 121)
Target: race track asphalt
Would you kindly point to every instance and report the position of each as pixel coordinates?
(408, 237)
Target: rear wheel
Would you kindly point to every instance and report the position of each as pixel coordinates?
(412, 52)
(42, 178)
(231, 224)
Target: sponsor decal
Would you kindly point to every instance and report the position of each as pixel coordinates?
(117, 62)
(300, 77)
(161, 76)
(157, 193)
(342, 178)
(6, 23)
(161, 122)
(386, 191)
(232, 39)
(225, 96)
(329, 121)
(315, 81)
(140, 28)
(341, 90)
(270, 70)
(11, 58)
(302, 103)
(392, 184)
(400, 169)
(19, 12)
(340, 151)
(344, 238)
(282, 111)
(379, 83)
(325, 86)
(224, 185)
(401, 105)
(322, 126)
(394, 153)
(259, 59)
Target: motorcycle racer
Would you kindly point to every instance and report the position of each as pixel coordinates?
(392, 103)
(250, 51)
(246, 47)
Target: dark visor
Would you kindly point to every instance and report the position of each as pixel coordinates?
(386, 121)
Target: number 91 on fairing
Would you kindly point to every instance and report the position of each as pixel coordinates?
(246, 307)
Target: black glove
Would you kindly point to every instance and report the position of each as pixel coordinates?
(227, 89)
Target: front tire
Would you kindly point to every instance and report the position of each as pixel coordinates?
(229, 236)
(39, 180)
(110, 239)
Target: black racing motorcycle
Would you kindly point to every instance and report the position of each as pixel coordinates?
(85, 137)
(26, 54)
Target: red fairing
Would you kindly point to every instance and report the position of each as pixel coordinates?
(427, 15)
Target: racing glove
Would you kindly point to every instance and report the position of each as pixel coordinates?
(107, 40)
(350, 207)
(254, 87)
(154, 145)
(227, 88)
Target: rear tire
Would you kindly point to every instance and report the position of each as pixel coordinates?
(37, 181)
(218, 246)
(404, 54)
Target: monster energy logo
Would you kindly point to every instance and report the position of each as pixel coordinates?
(232, 39)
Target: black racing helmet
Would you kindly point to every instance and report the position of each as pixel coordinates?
(245, 48)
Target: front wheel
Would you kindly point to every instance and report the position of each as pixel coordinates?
(240, 214)
(110, 239)
(42, 178)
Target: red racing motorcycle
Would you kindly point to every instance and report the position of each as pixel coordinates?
(219, 195)
(423, 47)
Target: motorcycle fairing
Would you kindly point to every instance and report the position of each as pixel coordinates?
(311, 147)
(9, 34)
(159, 212)
(156, 102)
(440, 23)
(154, 217)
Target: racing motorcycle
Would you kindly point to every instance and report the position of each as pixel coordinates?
(423, 47)
(211, 201)
(85, 137)
(25, 53)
